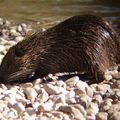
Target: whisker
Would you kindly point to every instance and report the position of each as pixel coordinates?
(20, 75)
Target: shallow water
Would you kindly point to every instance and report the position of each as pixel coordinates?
(48, 11)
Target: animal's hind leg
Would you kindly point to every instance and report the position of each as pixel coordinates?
(99, 75)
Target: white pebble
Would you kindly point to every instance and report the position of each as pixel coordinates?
(98, 99)
(19, 28)
(19, 107)
(11, 43)
(94, 108)
(30, 111)
(102, 116)
(19, 38)
(43, 96)
(14, 32)
(81, 85)
(2, 48)
(89, 91)
(80, 108)
(61, 99)
(72, 81)
(45, 107)
(11, 114)
(31, 93)
(51, 89)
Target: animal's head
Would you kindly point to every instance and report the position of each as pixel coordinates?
(18, 64)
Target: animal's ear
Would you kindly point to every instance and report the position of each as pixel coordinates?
(19, 52)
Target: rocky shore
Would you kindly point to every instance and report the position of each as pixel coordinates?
(72, 99)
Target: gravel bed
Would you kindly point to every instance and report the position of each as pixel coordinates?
(72, 99)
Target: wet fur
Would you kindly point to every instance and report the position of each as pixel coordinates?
(85, 43)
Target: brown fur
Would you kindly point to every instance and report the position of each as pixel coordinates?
(85, 43)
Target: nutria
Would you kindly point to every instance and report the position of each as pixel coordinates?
(85, 43)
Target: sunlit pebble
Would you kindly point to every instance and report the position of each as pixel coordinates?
(43, 96)
(89, 91)
(11, 114)
(3, 41)
(70, 94)
(5, 112)
(74, 111)
(51, 89)
(19, 38)
(30, 111)
(98, 99)
(43, 29)
(19, 107)
(31, 93)
(2, 48)
(36, 105)
(61, 83)
(60, 99)
(7, 23)
(37, 81)
(4, 87)
(12, 43)
(45, 107)
(72, 81)
(1, 116)
(14, 32)
(94, 107)
(24, 25)
(3, 105)
(19, 28)
(1, 22)
(102, 116)
(80, 108)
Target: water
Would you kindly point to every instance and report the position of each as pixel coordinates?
(48, 11)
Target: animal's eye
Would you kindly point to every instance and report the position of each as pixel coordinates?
(19, 52)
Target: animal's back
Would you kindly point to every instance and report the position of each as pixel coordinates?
(83, 43)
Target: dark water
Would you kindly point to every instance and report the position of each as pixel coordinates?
(48, 11)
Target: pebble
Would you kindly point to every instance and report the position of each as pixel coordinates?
(89, 91)
(19, 107)
(106, 104)
(81, 85)
(14, 32)
(114, 108)
(94, 108)
(84, 100)
(19, 28)
(11, 114)
(2, 48)
(45, 107)
(19, 38)
(115, 116)
(72, 110)
(98, 99)
(61, 99)
(102, 116)
(72, 81)
(103, 87)
(31, 93)
(43, 96)
(51, 89)
(30, 111)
